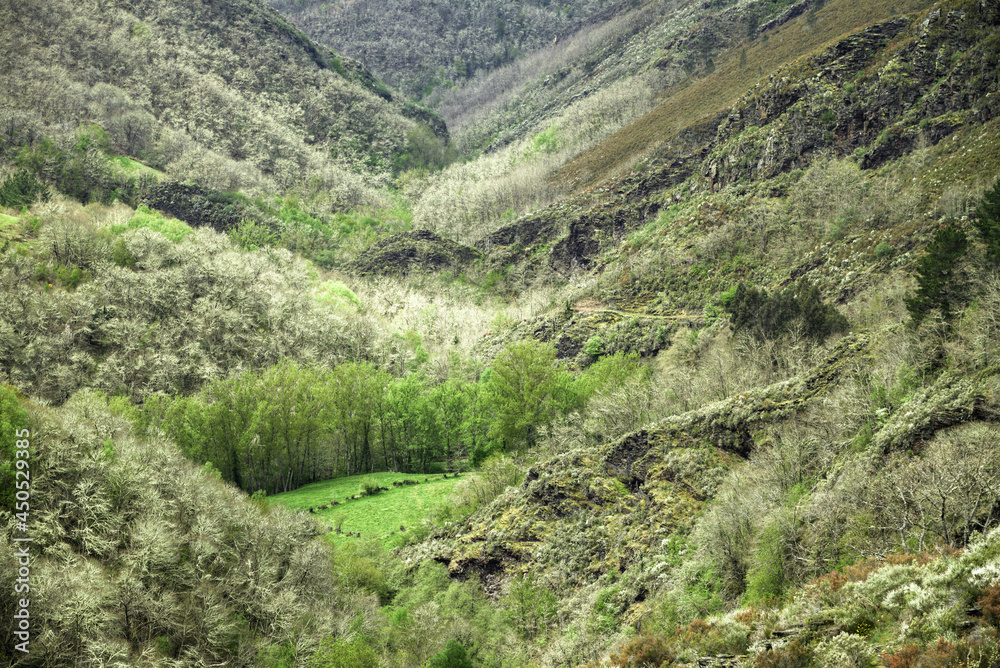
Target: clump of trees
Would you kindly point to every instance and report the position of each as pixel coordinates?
(943, 284)
(292, 424)
(93, 303)
(796, 308)
(141, 557)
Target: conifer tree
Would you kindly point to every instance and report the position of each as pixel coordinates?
(987, 222)
(939, 283)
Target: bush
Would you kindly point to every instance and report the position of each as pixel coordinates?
(252, 235)
(883, 250)
(144, 217)
(793, 655)
(845, 651)
(644, 650)
(769, 316)
(369, 488)
(594, 346)
(989, 603)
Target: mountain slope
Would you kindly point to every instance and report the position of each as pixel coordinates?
(228, 94)
(419, 46)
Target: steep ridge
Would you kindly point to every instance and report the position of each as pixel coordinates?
(843, 101)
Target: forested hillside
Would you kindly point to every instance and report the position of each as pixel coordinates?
(228, 95)
(423, 46)
(687, 323)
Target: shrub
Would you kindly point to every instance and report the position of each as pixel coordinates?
(793, 655)
(989, 603)
(845, 651)
(369, 488)
(171, 228)
(644, 650)
(594, 346)
(905, 657)
(883, 250)
(337, 295)
(252, 235)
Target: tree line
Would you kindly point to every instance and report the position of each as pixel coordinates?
(291, 424)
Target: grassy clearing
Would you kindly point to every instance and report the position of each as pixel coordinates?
(6, 221)
(703, 98)
(371, 516)
(135, 168)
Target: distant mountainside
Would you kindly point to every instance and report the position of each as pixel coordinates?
(420, 45)
(225, 93)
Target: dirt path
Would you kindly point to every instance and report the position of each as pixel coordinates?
(594, 306)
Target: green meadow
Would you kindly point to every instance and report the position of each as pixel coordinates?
(134, 167)
(6, 221)
(378, 516)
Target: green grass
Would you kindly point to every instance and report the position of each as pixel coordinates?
(6, 221)
(133, 167)
(171, 228)
(372, 516)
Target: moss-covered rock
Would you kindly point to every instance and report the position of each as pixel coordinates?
(420, 250)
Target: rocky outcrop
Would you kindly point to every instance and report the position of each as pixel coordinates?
(200, 207)
(857, 97)
(420, 250)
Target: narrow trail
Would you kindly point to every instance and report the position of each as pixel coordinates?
(592, 306)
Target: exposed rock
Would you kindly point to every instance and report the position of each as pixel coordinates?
(199, 207)
(420, 250)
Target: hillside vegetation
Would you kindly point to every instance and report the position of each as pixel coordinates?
(701, 328)
(420, 47)
(273, 111)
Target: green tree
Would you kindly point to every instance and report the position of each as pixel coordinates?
(407, 424)
(453, 655)
(344, 654)
(22, 189)
(522, 386)
(940, 284)
(450, 402)
(355, 391)
(987, 223)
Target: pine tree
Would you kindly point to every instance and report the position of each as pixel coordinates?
(987, 222)
(939, 283)
(22, 189)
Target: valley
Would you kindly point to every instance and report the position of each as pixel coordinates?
(647, 334)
